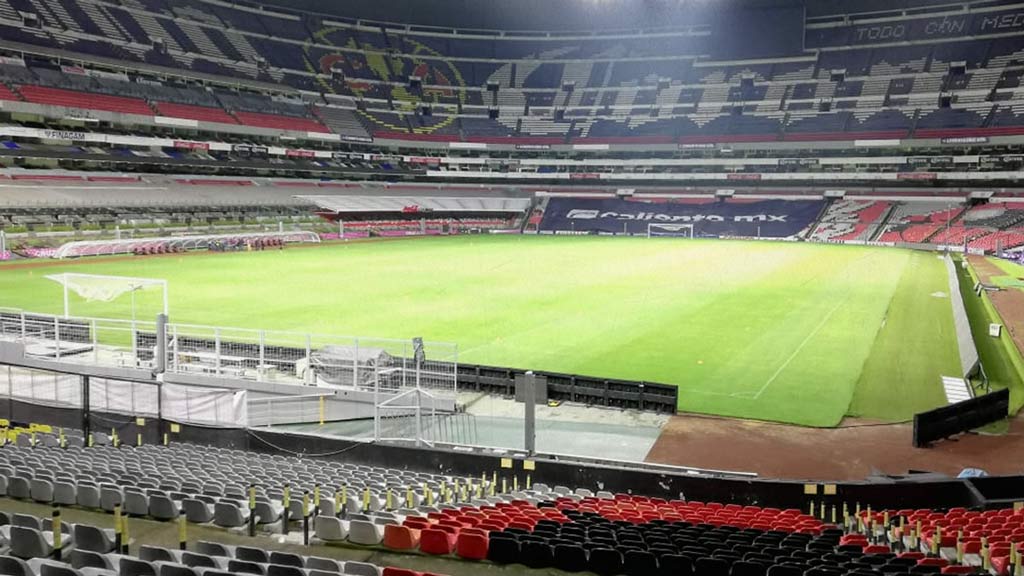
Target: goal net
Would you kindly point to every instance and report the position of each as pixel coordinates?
(114, 297)
(670, 230)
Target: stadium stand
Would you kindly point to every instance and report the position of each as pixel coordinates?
(845, 92)
(851, 220)
(918, 221)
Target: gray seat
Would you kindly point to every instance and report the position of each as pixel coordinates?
(135, 503)
(267, 512)
(197, 511)
(135, 567)
(88, 496)
(228, 515)
(246, 567)
(110, 496)
(11, 566)
(329, 529)
(159, 554)
(94, 539)
(324, 564)
(196, 560)
(19, 487)
(365, 533)
(50, 568)
(287, 559)
(30, 543)
(250, 554)
(361, 569)
(215, 549)
(64, 493)
(41, 490)
(172, 569)
(87, 559)
(280, 570)
(27, 521)
(161, 507)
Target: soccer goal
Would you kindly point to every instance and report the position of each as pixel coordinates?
(115, 297)
(670, 230)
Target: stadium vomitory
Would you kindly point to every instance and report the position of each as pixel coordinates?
(397, 288)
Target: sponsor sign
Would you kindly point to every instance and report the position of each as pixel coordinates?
(190, 145)
(697, 146)
(533, 146)
(363, 139)
(743, 176)
(799, 161)
(966, 140)
(764, 219)
(916, 176)
(584, 176)
(428, 160)
(299, 153)
(62, 135)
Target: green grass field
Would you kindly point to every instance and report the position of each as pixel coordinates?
(796, 333)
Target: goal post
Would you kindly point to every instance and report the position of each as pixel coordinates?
(105, 295)
(658, 230)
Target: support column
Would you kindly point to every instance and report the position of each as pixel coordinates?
(85, 409)
(530, 406)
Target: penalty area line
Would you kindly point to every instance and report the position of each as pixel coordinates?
(798, 349)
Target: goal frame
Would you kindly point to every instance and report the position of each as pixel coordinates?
(669, 226)
(134, 284)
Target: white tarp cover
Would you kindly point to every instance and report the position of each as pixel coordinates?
(103, 288)
(185, 404)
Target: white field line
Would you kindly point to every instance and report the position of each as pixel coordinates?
(798, 349)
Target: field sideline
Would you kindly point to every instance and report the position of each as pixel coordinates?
(797, 333)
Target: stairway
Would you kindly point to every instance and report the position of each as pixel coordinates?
(957, 389)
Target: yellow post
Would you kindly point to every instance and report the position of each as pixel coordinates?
(183, 532)
(321, 410)
(917, 535)
(125, 539)
(529, 484)
(834, 514)
(165, 438)
(986, 559)
(337, 501)
(138, 439)
(366, 499)
(408, 497)
(90, 439)
(344, 496)
(936, 539)
(32, 439)
(305, 504)
(113, 437)
(515, 483)
(812, 509)
(457, 491)
(117, 527)
(57, 535)
(387, 503)
(504, 485)
(63, 440)
(885, 518)
(286, 498)
(316, 496)
(959, 547)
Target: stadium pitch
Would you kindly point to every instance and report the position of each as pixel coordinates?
(791, 332)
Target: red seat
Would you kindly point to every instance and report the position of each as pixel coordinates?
(471, 546)
(877, 549)
(201, 113)
(400, 537)
(437, 542)
(392, 571)
(958, 569)
(942, 562)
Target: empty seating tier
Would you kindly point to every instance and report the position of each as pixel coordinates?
(85, 101)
